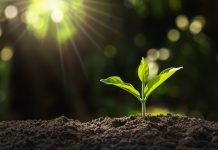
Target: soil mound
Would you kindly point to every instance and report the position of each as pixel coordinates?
(126, 133)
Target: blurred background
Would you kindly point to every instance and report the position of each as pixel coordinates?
(54, 52)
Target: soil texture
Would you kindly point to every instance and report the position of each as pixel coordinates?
(126, 133)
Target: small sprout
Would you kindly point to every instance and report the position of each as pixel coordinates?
(146, 89)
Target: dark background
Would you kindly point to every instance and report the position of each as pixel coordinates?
(45, 79)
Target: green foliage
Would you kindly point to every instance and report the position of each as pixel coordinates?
(143, 72)
(159, 79)
(117, 81)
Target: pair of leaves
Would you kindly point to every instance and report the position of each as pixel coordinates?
(143, 72)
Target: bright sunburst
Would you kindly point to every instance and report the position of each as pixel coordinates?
(61, 20)
(41, 14)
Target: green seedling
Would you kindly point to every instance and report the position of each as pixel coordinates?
(146, 89)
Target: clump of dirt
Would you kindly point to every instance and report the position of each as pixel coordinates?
(134, 132)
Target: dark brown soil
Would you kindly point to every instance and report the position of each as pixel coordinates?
(134, 132)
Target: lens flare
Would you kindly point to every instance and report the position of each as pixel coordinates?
(57, 16)
(42, 15)
(60, 21)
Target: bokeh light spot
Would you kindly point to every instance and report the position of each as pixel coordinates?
(173, 35)
(182, 22)
(32, 18)
(153, 69)
(201, 19)
(110, 51)
(6, 53)
(164, 54)
(11, 12)
(196, 27)
(152, 54)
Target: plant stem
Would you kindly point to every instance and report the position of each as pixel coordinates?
(143, 109)
(142, 91)
(143, 100)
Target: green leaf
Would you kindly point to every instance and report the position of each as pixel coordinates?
(143, 70)
(158, 80)
(117, 81)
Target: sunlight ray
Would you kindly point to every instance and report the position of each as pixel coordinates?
(102, 23)
(100, 12)
(61, 59)
(85, 32)
(76, 50)
(90, 27)
(99, 22)
(20, 36)
(12, 29)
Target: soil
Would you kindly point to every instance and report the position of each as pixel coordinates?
(134, 132)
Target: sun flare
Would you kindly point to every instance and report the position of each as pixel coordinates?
(43, 14)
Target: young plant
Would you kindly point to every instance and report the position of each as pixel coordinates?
(146, 89)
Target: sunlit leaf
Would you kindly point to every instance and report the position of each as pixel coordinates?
(143, 70)
(158, 80)
(117, 81)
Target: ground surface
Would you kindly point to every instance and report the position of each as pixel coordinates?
(157, 133)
